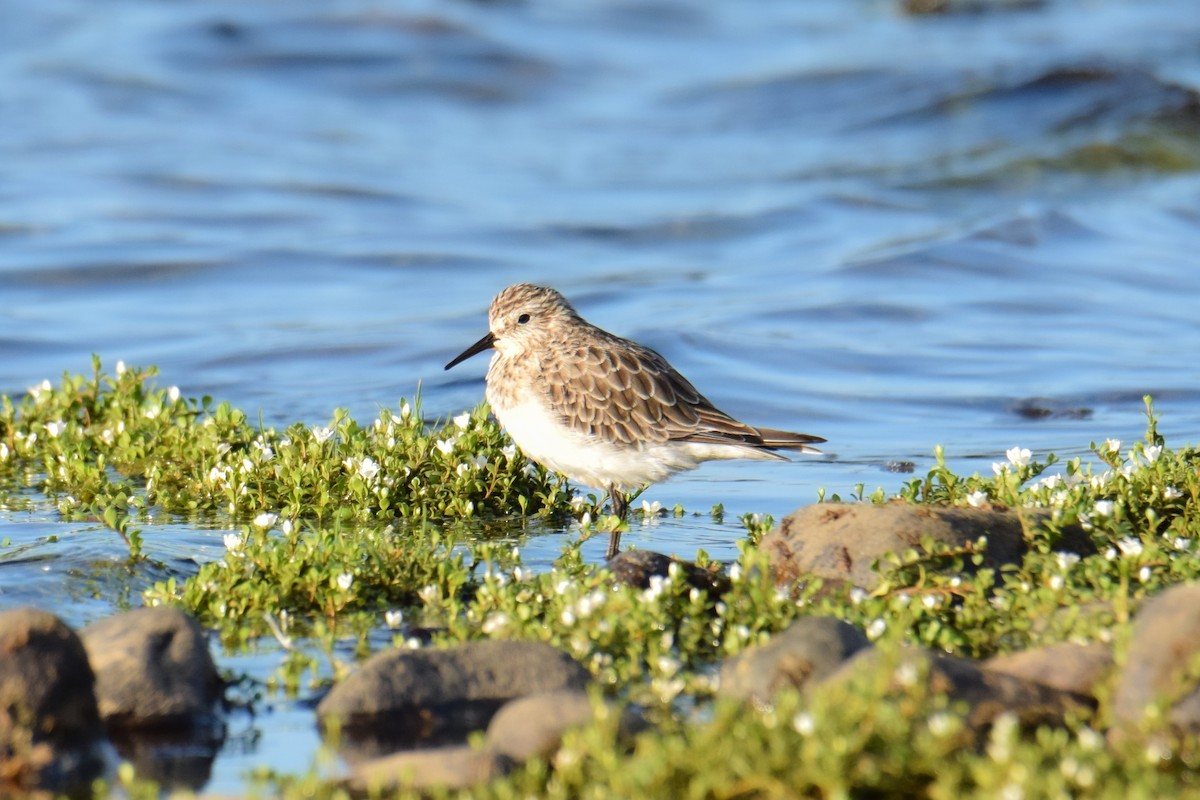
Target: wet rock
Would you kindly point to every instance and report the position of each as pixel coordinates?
(637, 567)
(811, 649)
(533, 726)
(403, 697)
(1165, 642)
(840, 541)
(985, 693)
(152, 668)
(1075, 668)
(49, 725)
(459, 767)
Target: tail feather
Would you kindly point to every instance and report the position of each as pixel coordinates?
(786, 440)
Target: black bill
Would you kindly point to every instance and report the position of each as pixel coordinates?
(483, 344)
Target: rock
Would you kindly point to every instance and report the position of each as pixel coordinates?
(152, 668)
(1075, 668)
(840, 541)
(1165, 642)
(985, 693)
(809, 650)
(533, 726)
(636, 567)
(50, 727)
(458, 767)
(401, 697)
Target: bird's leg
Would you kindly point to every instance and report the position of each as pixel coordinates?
(620, 507)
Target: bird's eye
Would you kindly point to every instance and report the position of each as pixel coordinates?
(521, 320)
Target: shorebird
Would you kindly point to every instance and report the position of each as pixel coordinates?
(604, 411)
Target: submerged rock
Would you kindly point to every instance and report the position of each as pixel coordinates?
(637, 567)
(840, 541)
(49, 723)
(809, 650)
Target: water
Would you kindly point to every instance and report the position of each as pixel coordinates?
(890, 231)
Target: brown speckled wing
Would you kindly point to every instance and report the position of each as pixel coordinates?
(625, 393)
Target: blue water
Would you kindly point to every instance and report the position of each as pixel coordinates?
(891, 231)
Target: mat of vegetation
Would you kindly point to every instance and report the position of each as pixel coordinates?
(350, 530)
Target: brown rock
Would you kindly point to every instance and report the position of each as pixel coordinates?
(49, 724)
(533, 726)
(1076, 668)
(810, 649)
(987, 694)
(840, 541)
(152, 667)
(442, 768)
(1165, 642)
(401, 697)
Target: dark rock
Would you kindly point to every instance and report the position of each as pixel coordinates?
(1075, 668)
(840, 541)
(986, 694)
(50, 728)
(458, 767)
(636, 567)
(152, 668)
(533, 726)
(403, 697)
(1164, 645)
(811, 649)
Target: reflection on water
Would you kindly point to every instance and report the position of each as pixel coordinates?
(977, 230)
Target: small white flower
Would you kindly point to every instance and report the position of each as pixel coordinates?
(857, 595)
(1104, 508)
(1051, 481)
(463, 420)
(368, 468)
(152, 412)
(405, 410)
(1066, 560)
(976, 499)
(1152, 452)
(999, 467)
(55, 428)
(930, 601)
(1171, 493)
(941, 723)
(657, 584)
(37, 391)
(446, 445)
(3, 451)
(1018, 456)
(735, 572)
(233, 542)
(287, 526)
(804, 724)
(120, 368)
(876, 628)
(1056, 582)
(345, 581)
(394, 618)
(173, 394)
(429, 593)
(509, 451)
(1112, 445)
(1130, 546)
(322, 434)
(1144, 574)
(266, 520)
(497, 621)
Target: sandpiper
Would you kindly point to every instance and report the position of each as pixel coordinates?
(603, 411)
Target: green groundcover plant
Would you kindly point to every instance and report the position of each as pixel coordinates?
(349, 537)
